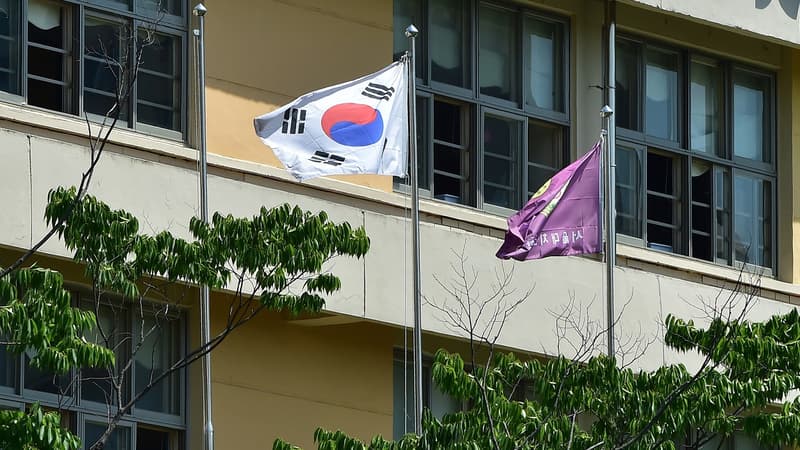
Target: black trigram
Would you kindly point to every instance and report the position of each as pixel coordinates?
(294, 121)
(378, 91)
(327, 158)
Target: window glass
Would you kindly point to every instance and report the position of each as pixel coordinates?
(709, 205)
(752, 219)
(9, 46)
(423, 180)
(441, 403)
(702, 213)
(544, 44)
(162, 6)
(44, 381)
(485, 54)
(545, 152)
(722, 206)
(497, 65)
(743, 442)
(158, 81)
(159, 350)
(47, 56)
(715, 443)
(663, 202)
(449, 54)
(750, 114)
(423, 133)
(628, 89)
(706, 104)
(628, 191)
(120, 438)
(152, 439)
(407, 12)
(111, 332)
(661, 99)
(449, 152)
(104, 57)
(8, 367)
(403, 396)
(501, 145)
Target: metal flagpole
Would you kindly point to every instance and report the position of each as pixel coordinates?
(205, 326)
(411, 34)
(610, 175)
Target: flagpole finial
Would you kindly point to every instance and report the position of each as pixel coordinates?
(200, 10)
(606, 111)
(411, 31)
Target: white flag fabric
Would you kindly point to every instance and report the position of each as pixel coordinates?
(356, 127)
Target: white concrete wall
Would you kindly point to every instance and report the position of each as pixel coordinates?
(776, 19)
(162, 193)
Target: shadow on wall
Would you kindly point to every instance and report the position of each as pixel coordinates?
(790, 7)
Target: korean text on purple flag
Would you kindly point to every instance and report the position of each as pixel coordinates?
(562, 217)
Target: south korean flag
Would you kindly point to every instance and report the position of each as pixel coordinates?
(357, 127)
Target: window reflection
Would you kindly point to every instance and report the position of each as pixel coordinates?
(448, 52)
(544, 47)
(407, 12)
(752, 220)
(437, 401)
(158, 352)
(706, 92)
(722, 206)
(661, 104)
(750, 114)
(111, 332)
(162, 6)
(497, 65)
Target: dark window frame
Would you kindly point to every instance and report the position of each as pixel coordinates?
(723, 160)
(477, 104)
(134, 17)
(82, 409)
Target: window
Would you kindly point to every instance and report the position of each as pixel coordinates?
(78, 55)
(739, 441)
(9, 46)
(149, 335)
(492, 99)
(119, 440)
(160, 348)
(438, 402)
(695, 154)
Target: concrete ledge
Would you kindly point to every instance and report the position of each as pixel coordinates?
(446, 214)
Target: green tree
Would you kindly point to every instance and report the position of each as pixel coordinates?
(273, 260)
(593, 401)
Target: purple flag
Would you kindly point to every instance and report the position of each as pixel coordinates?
(563, 216)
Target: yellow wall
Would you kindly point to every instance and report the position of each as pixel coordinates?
(789, 167)
(263, 54)
(276, 378)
